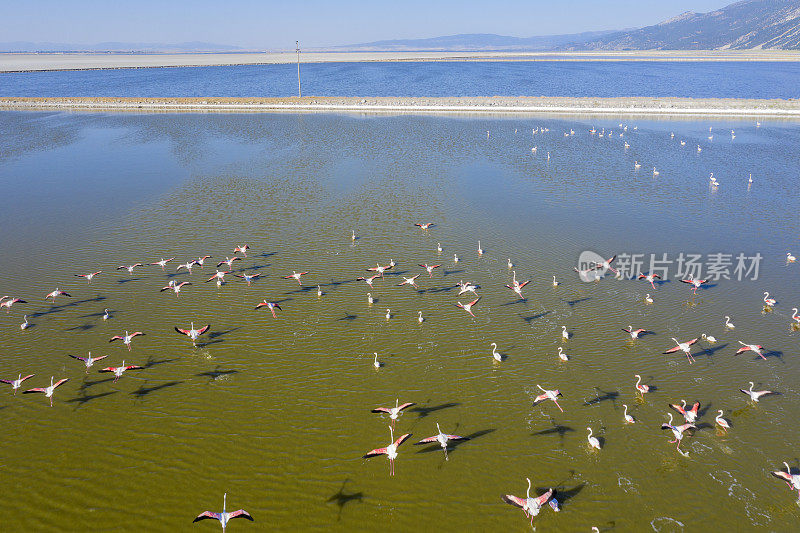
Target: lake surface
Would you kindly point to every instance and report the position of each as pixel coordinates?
(704, 79)
(276, 412)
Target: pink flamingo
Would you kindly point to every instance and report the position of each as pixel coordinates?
(430, 268)
(248, 277)
(685, 347)
(223, 517)
(88, 277)
(793, 480)
(548, 395)
(243, 249)
(642, 388)
(755, 395)
(296, 276)
(425, 225)
(409, 281)
(16, 383)
(9, 302)
(193, 333)
(468, 307)
(272, 307)
(368, 280)
(48, 391)
(395, 411)
(219, 276)
(677, 431)
(119, 370)
(530, 506)
(162, 263)
(755, 348)
(695, 283)
(442, 439)
(634, 333)
(201, 260)
(650, 278)
(89, 360)
(175, 287)
(129, 268)
(390, 451)
(229, 261)
(689, 414)
(126, 339)
(57, 292)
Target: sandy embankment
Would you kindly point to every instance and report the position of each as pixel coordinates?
(24, 62)
(497, 104)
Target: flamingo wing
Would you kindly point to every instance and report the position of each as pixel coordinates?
(690, 282)
(540, 398)
(7, 381)
(521, 285)
(99, 358)
(262, 304)
(695, 407)
(108, 369)
(241, 513)
(77, 357)
(205, 515)
(675, 349)
(456, 437)
(60, 382)
(427, 440)
(182, 331)
(203, 329)
(375, 452)
(36, 389)
(639, 331)
(541, 500)
(513, 500)
(115, 338)
(381, 410)
(677, 408)
(473, 302)
(405, 405)
(691, 341)
(783, 475)
(742, 349)
(134, 367)
(401, 439)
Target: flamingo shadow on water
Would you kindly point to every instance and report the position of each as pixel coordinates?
(216, 373)
(423, 411)
(128, 280)
(564, 494)
(711, 350)
(602, 396)
(143, 391)
(86, 384)
(217, 334)
(448, 272)
(343, 497)
(152, 362)
(557, 429)
(772, 353)
(530, 319)
(436, 290)
(573, 303)
(85, 398)
(80, 327)
(348, 316)
(65, 305)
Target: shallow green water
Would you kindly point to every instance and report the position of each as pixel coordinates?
(277, 411)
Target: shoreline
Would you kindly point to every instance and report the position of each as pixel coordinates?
(11, 62)
(496, 104)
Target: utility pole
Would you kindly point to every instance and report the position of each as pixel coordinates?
(297, 44)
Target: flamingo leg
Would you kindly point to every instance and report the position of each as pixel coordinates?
(559, 407)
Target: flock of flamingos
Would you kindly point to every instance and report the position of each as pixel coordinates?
(531, 505)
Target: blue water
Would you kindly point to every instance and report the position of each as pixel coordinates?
(748, 79)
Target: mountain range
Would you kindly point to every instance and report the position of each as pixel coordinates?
(193, 46)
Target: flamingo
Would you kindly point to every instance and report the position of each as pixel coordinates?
(129, 268)
(794, 316)
(593, 442)
(243, 249)
(648, 299)
(548, 395)
(25, 324)
(438, 247)
(789, 257)
(655, 172)
(636, 165)
(419, 317)
(517, 288)
(495, 354)
(564, 333)
(424, 225)
(16, 383)
(728, 323)
(793, 480)
(368, 280)
(88, 361)
(271, 305)
(468, 307)
(531, 506)
(48, 391)
(229, 261)
(606, 265)
(187, 265)
(689, 414)
(106, 314)
(480, 250)
(370, 299)
(642, 388)
(223, 517)
(510, 264)
(296, 276)
(721, 422)
(628, 418)
(677, 431)
(201, 260)
(455, 258)
(162, 263)
(562, 355)
(319, 291)
(409, 281)
(695, 283)
(755, 348)
(442, 439)
(353, 235)
(469, 287)
(634, 333)
(685, 347)
(219, 276)
(430, 268)
(176, 287)
(119, 370)
(126, 339)
(390, 451)
(650, 277)
(555, 283)
(248, 277)
(193, 333)
(88, 277)
(709, 338)
(395, 411)
(769, 302)
(388, 314)
(57, 292)
(755, 395)
(10, 301)
(377, 364)
(379, 269)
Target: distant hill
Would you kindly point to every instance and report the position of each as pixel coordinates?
(750, 24)
(478, 42)
(194, 46)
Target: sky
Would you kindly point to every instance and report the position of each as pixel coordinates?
(270, 25)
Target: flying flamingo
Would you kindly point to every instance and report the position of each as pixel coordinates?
(606, 265)
(119, 370)
(379, 269)
(695, 283)
(55, 293)
(548, 395)
(634, 333)
(88, 277)
(126, 339)
(755, 348)
(650, 277)
(193, 333)
(425, 225)
(272, 307)
(442, 439)
(88, 361)
(395, 411)
(593, 442)
(468, 307)
(430, 268)
(685, 347)
(530, 506)
(248, 277)
(201, 260)
(187, 265)
(296, 276)
(162, 263)
(495, 353)
(677, 431)
(9, 302)
(16, 383)
(769, 302)
(628, 418)
(176, 287)
(48, 391)
(755, 395)
(689, 414)
(469, 287)
(243, 249)
(223, 517)
(517, 286)
(721, 422)
(643, 389)
(409, 281)
(390, 450)
(129, 268)
(229, 261)
(793, 480)
(219, 276)
(368, 280)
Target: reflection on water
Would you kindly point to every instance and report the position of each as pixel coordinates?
(276, 411)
